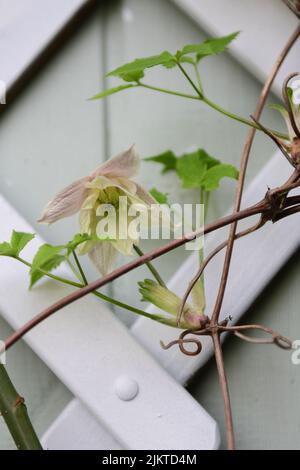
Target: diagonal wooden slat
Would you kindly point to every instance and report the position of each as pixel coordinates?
(256, 260)
(253, 267)
(97, 358)
(257, 21)
(30, 31)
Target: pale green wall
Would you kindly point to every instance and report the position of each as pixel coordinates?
(52, 135)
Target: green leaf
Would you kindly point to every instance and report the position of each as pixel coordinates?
(209, 47)
(208, 159)
(134, 76)
(6, 249)
(48, 266)
(19, 240)
(186, 59)
(168, 159)
(200, 170)
(278, 107)
(134, 71)
(111, 91)
(161, 198)
(214, 175)
(81, 238)
(17, 243)
(191, 169)
(197, 169)
(47, 258)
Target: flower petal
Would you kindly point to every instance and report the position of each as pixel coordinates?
(67, 202)
(127, 185)
(124, 246)
(91, 199)
(144, 195)
(103, 256)
(124, 165)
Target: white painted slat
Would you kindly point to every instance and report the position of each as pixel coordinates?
(76, 428)
(88, 348)
(76, 412)
(26, 28)
(257, 46)
(256, 260)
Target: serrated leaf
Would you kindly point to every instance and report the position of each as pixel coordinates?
(213, 176)
(134, 76)
(48, 266)
(209, 47)
(19, 240)
(191, 169)
(17, 243)
(6, 249)
(134, 71)
(168, 159)
(80, 238)
(208, 159)
(161, 198)
(45, 253)
(47, 258)
(187, 60)
(111, 91)
(200, 170)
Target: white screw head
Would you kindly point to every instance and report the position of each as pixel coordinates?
(126, 388)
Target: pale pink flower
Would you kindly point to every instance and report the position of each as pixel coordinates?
(103, 186)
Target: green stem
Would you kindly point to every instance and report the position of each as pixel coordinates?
(169, 92)
(100, 295)
(190, 80)
(150, 266)
(72, 267)
(198, 77)
(14, 412)
(223, 111)
(205, 202)
(106, 297)
(241, 119)
(52, 276)
(83, 277)
(136, 310)
(198, 291)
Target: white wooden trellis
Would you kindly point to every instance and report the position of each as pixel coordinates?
(107, 419)
(47, 20)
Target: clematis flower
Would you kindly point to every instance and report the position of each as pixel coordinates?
(91, 196)
(293, 144)
(285, 115)
(163, 298)
(295, 86)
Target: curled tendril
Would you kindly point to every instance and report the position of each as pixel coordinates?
(275, 338)
(181, 341)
